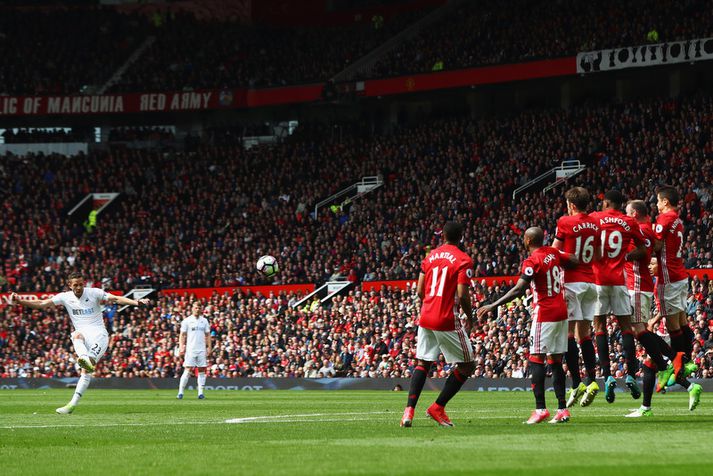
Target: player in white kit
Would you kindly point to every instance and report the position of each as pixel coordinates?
(195, 344)
(90, 337)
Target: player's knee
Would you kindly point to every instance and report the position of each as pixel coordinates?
(554, 359)
(425, 364)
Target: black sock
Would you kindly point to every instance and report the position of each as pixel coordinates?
(683, 382)
(649, 384)
(454, 382)
(558, 382)
(590, 360)
(632, 364)
(537, 371)
(572, 358)
(678, 341)
(603, 353)
(651, 344)
(666, 349)
(418, 379)
(688, 333)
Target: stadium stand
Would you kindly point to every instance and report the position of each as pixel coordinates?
(183, 224)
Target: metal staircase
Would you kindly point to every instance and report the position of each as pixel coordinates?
(364, 186)
(137, 293)
(122, 69)
(560, 174)
(325, 292)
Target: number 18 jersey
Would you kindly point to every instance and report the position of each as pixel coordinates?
(543, 271)
(580, 235)
(444, 268)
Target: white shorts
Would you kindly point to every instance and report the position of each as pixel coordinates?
(641, 305)
(195, 359)
(96, 342)
(454, 345)
(581, 300)
(548, 337)
(612, 300)
(672, 297)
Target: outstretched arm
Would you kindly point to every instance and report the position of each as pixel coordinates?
(515, 292)
(39, 304)
(126, 301)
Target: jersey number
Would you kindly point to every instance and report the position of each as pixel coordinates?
(614, 243)
(553, 281)
(436, 281)
(680, 246)
(587, 253)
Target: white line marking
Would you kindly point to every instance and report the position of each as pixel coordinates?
(312, 418)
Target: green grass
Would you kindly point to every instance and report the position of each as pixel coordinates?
(341, 432)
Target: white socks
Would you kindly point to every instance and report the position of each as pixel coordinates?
(201, 382)
(79, 347)
(184, 381)
(82, 386)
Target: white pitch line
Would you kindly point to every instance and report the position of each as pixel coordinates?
(296, 418)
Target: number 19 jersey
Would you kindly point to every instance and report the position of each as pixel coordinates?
(444, 268)
(617, 231)
(580, 235)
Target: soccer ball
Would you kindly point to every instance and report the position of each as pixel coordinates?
(267, 265)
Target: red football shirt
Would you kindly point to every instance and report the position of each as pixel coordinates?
(580, 235)
(638, 277)
(617, 231)
(543, 271)
(445, 268)
(669, 229)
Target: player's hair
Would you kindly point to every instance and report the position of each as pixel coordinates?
(75, 275)
(639, 207)
(536, 235)
(615, 197)
(453, 231)
(579, 197)
(669, 193)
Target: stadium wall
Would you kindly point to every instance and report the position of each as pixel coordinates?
(258, 384)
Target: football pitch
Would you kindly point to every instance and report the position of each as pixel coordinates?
(342, 432)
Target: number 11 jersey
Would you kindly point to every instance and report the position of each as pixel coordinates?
(444, 268)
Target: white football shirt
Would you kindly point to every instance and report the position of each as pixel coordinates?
(85, 311)
(195, 328)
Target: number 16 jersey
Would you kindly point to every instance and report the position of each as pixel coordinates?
(444, 268)
(580, 235)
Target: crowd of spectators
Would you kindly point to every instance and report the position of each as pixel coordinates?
(64, 50)
(77, 50)
(208, 55)
(510, 31)
(364, 334)
(201, 219)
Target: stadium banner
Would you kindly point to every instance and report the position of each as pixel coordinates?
(131, 103)
(5, 297)
(258, 384)
(471, 77)
(264, 290)
(642, 56)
